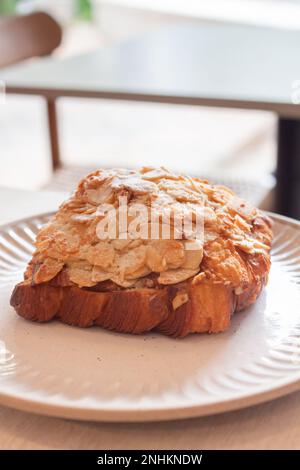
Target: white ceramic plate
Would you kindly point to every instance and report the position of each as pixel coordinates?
(94, 374)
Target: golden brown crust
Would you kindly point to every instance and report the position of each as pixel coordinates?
(203, 306)
(136, 286)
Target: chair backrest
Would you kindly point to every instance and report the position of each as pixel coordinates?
(26, 36)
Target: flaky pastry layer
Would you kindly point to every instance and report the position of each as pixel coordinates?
(197, 290)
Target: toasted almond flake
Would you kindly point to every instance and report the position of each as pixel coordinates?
(141, 272)
(193, 257)
(174, 276)
(99, 275)
(80, 273)
(238, 290)
(102, 254)
(121, 244)
(47, 270)
(199, 278)
(71, 237)
(122, 282)
(180, 299)
(131, 261)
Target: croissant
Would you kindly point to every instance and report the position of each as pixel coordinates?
(99, 263)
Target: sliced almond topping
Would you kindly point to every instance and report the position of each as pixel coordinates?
(238, 290)
(121, 244)
(141, 272)
(180, 299)
(98, 275)
(199, 278)
(47, 270)
(155, 261)
(176, 275)
(80, 273)
(102, 254)
(164, 254)
(122, 282)
(241, 223)
(193, 257)
(103, 195)
(71, 240)
(174, 253)
(210, 236)
(134, 259)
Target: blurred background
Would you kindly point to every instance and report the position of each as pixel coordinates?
(237, 143)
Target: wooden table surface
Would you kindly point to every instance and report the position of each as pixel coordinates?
(274, 425)
(207, 64)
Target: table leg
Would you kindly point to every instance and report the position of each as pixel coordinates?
(287, 198)
(53, 133)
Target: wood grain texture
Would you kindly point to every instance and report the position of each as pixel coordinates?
(274, 425)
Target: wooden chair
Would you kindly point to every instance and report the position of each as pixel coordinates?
(27, 36)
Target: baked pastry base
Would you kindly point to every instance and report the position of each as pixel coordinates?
(207, 306)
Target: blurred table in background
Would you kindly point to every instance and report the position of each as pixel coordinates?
(212, 65)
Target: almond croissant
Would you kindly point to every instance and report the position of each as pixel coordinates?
(138, 279)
